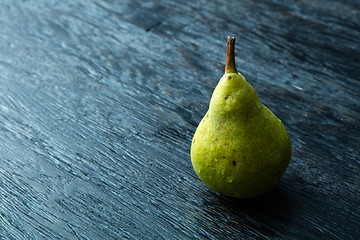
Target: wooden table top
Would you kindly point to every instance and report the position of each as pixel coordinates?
(99, 101)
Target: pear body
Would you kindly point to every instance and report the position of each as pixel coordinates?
(240, 148)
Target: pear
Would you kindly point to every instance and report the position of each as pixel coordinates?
(240, 148)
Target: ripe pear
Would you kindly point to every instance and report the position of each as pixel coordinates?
(240, 148)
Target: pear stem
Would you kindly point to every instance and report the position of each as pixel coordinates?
(230, 56)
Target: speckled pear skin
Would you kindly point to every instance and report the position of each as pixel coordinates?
(240, 148)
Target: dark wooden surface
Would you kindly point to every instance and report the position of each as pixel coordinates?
(99, 101)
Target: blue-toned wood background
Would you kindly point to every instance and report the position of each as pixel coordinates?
(99, 101)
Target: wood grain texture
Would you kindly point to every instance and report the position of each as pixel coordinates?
(99, 101)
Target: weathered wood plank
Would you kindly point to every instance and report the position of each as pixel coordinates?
(99, 101)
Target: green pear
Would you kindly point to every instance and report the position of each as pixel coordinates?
(240, 148)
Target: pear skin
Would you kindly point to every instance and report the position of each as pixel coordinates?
(240, 148)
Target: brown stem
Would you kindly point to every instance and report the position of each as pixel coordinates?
(230, 56)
